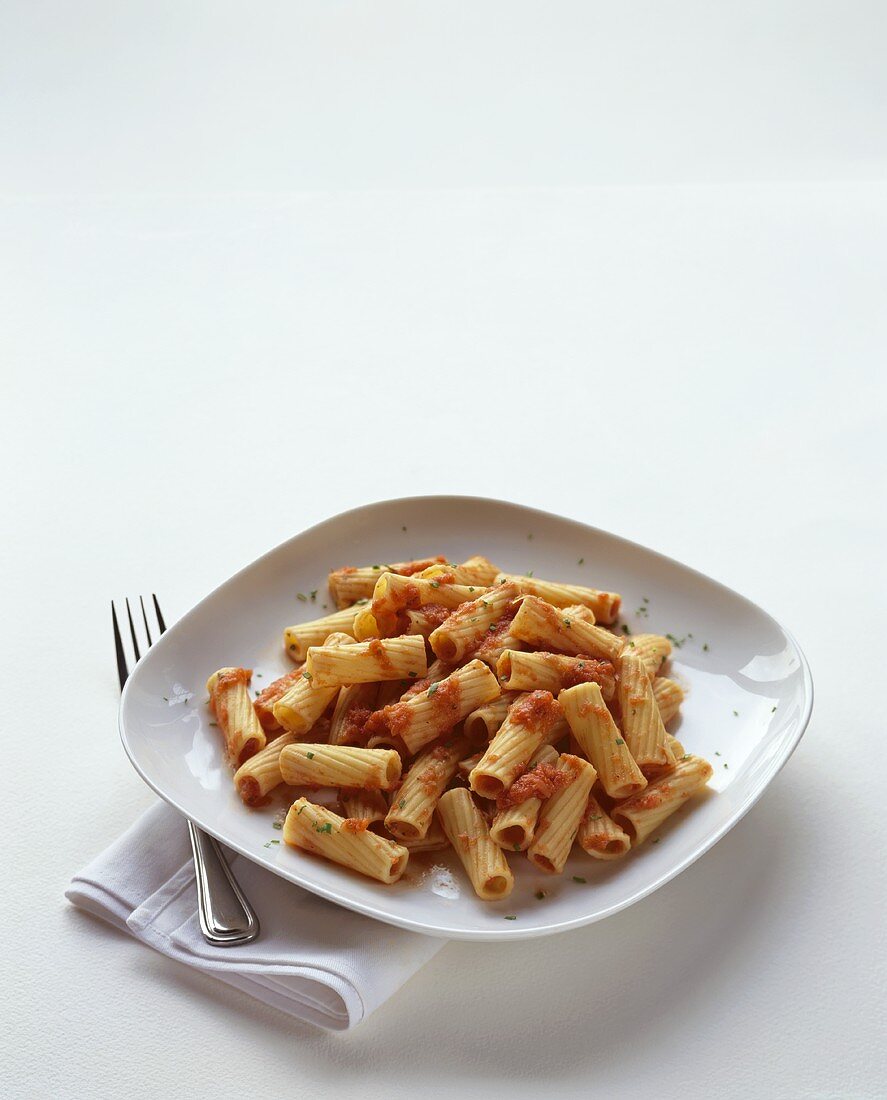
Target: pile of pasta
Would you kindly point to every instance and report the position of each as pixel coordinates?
(457, 705)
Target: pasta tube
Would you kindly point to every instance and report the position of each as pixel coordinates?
(598, 738)
(300, 707)
(353, 583)
(308, 765)
(367, 662)
(297, 639)
(668, 696)
(471, 623)
(265, 701)
(412, 807)
(467, 831)
(230, 702)
(354, 704)
(433, 712)
(433, 841)
(561, 815)
(544, 626)
(361, 805)
(514, 826)
(422, 620)
(604, 605)
(642, 726)
(526, 725)
(477, 570)
(653, 649)
(261, 773)
(553, 671)
(599, 834)
(482, 724)
(316, 829)
(394, 593)
(644, 812)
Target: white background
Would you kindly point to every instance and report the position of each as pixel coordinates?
(261, 263)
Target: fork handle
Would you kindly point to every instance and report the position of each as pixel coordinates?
(226, 917)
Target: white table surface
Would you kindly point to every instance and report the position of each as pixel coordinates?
(259, 270)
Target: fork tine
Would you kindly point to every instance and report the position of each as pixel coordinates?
(145, 620)
(160, 621)
(132, 630)
(122, 671)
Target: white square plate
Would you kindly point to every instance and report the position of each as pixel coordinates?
(749, 698)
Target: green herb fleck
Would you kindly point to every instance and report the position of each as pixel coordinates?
(165, 699)
(411, 673)
(686, 756)
(567, 623)
(625, 629)
(540, 895)
(726, 765)
(432, 690)
(302, 597)
(491, 628)
(402, 803)
(214, 723)
(307, 676)
(293, 645)
(735, 713)
(530, 535)
(278, 825)
(328, 828)
(530, 572)
(773, 710)
(717, 753)
(619, 741)
(705, 647)
(517, 847)
(581, 561)
(310, 755)
(655, 840)
(377, 567)
(435, 584)
(579, 879)
(403, 528)
(471, 588)
(513, 918)
(313, 594)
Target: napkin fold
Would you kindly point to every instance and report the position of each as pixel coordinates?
(313, 960)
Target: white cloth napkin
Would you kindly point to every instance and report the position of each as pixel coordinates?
(313, 960)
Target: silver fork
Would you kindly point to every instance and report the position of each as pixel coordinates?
(226, 916)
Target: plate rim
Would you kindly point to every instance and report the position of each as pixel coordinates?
(438, 930)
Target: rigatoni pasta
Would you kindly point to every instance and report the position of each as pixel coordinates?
(537, 728)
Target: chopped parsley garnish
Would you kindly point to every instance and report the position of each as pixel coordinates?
(717, 753)
(491, 628)
(278, 825)
(514, 918)
(270, 842)
(402, 803)
(619, 741)
(530, 535)
(705, 647)
(471, 588)
(567, 623)
(735, 713)
(686, 756)
(411, 673)
(328, 828)
(435, 584)
(540, 894)
(307, 676)
(432, 690)
(655, 840)
(625, 629)
(377, 567)
(529, 573)
(403, 528)
(517, 847)
(165, 699)
(726, 765)
(301, 596)
(214, 723)
(773, 710)
(313, 594)
(580, 879)
(310, 755)
(581, 561)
